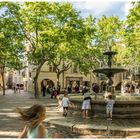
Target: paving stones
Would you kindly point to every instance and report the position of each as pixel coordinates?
(73, 126)
(10, 125)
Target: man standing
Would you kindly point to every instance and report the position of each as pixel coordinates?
(44, 87)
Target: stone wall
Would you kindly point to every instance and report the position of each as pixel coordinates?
(122, 109)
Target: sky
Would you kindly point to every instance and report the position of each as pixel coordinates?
(97, 8)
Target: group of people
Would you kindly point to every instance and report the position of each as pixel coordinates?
(75, 89)
(86, 106)
(50, 90)
(87, 103)
(78, 89)
(35, 115)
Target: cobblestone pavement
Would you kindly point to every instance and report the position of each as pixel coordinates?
(10, 125)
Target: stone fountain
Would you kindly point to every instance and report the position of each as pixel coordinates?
(124, 107)
(110, 71)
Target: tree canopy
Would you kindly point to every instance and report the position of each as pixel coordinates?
(56, 34)
(132, 37)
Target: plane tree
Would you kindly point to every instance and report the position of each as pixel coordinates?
(108, 35)
(71, 51)
(132, 37)
(85, 58)
(48, 28)
(107, 31)
(11, 45)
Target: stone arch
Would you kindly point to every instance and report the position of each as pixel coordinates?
(49, 83)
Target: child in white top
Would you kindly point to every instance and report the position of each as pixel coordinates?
(86, 105)
(65, 104)
(109, 107)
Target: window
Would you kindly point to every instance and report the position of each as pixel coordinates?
(23, 73)
(30, 74)
(75, 69)
(51, 69)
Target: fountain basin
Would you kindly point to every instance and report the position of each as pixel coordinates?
(127, 107)
(109, 71)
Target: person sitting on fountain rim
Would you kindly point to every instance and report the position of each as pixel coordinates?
(109, 106)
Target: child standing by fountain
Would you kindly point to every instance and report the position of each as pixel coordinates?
(65, 104)
(86, 105)
(109, 107)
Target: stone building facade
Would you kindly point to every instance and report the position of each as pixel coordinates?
(72, 78)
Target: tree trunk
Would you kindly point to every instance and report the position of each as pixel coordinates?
(19, 83)
(63, 75)
(3, 81)
(36, 88)
(58, 83)
(63, 80)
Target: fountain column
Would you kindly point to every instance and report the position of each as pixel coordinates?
(110, 74)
